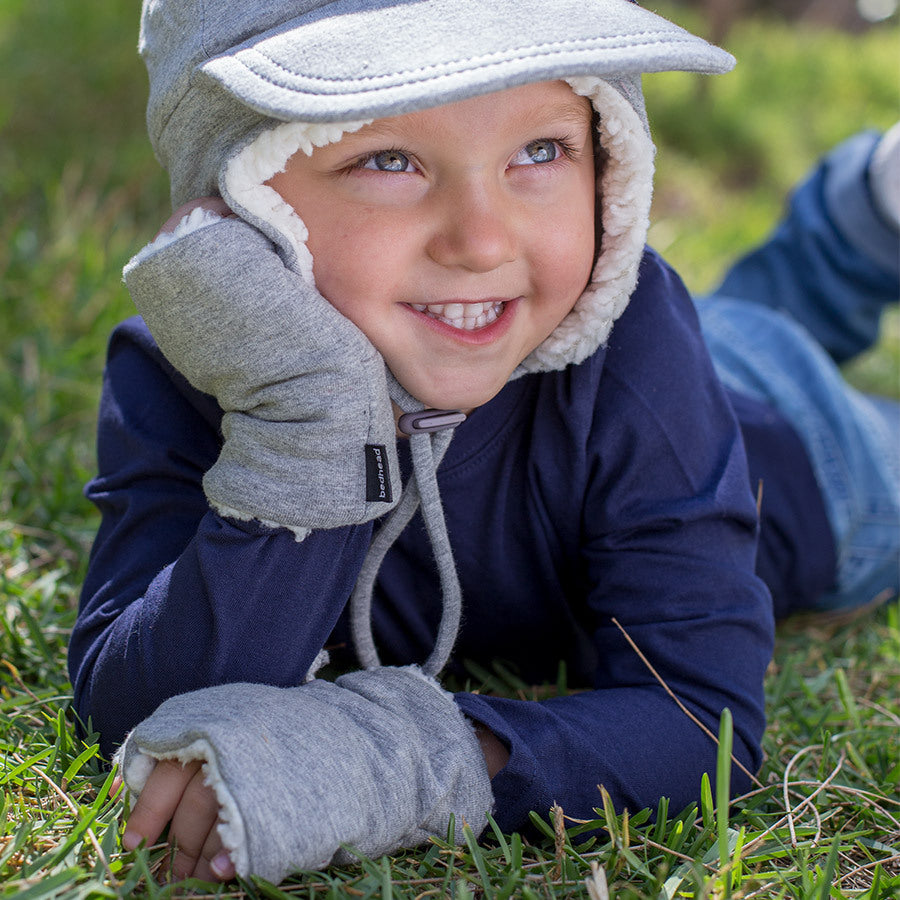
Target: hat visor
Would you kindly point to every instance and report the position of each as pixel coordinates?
(341, 62)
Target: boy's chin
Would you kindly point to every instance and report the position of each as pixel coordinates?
(463, 398)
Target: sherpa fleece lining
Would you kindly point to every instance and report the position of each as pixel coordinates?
(625, 189)
(196, 219)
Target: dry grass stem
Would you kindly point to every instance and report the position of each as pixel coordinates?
(596, 884)
(811, 797)
(681, 705)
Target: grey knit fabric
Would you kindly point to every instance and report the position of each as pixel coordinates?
(380, 759)
(304, 392)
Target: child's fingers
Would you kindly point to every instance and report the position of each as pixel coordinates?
(157, 802)
(214, 864)
(192, 832)
(222, 866)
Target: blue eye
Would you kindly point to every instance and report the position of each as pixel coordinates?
(389, 161)
(540, 151)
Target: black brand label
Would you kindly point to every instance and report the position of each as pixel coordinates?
(378, 483)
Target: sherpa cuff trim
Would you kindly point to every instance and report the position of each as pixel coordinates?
(300, 532)
(231, 824)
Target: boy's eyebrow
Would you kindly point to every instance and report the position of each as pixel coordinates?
(570, 113)
(573, 114)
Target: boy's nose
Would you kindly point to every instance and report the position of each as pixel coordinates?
(475, 231)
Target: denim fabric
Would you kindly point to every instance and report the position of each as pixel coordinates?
(819, 287)
(851, 441)
(833, 261)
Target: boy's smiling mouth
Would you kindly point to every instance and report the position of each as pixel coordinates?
(464, 316)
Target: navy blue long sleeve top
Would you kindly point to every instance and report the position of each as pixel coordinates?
(617, 489)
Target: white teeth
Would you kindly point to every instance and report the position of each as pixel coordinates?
(467, 316)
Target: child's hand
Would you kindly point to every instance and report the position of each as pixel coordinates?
(178, 795)
(308, 426)
(379, 759)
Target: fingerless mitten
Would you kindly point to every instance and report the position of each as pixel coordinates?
(379, 760)
(309, 434)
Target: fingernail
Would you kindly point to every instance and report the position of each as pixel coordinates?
(222, 866)
(131, 840)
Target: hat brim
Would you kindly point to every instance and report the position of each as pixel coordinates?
(346, 61)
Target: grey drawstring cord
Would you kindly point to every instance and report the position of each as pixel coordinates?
(426, 456)
(428, 449)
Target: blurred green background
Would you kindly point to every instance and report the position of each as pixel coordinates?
(80, 192)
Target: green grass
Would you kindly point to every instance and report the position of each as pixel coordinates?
(80, 191)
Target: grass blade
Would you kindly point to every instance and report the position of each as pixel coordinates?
(723, 793)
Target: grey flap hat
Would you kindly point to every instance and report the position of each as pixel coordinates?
(218, 67)
(358, 60)
(225, 77)
(236, 88)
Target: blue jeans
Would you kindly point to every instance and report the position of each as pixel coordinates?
(810, 297)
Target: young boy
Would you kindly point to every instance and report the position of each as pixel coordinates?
(431, 216)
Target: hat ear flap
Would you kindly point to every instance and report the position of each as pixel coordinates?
(263, 154)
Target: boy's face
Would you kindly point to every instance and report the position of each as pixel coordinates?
(457, 238)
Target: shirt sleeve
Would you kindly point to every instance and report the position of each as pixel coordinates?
(668, 548)
(177, 597)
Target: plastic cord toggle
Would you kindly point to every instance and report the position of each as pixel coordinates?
(428, 420)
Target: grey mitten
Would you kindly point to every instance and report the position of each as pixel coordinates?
(308, 426)
(378, 760)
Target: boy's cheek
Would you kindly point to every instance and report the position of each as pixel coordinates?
(336, 282)
(352, 275)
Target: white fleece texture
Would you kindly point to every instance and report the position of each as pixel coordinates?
(300, 532)
(624, 189)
